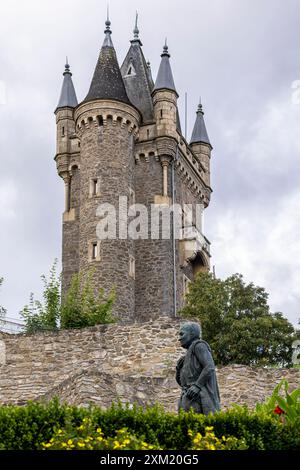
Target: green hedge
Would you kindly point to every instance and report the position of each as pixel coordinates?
(25, 428)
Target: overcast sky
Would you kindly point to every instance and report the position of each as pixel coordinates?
(241, 56)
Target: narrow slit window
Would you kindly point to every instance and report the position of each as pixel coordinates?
(94, 187)
(94, 251)
(63, 131)
(132, 267)
(161, 113)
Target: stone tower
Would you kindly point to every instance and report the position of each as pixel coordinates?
(123, 145)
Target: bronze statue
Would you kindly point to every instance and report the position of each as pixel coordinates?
(195, 373)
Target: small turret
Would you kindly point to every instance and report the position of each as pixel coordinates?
(68, 97)
(65, 125)
(200, 143)
(165, 98)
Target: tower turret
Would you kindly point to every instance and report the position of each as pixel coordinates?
(67, 162)
(107, 124)
(65, 114)
(165, 98)
(200, 143)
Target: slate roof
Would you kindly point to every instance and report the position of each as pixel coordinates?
(137, 78)
(68, 97)
(199, 132)
(164, 76)
(107, 82)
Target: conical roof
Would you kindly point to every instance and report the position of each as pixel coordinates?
(68, 97)
(107, 82)
(165, 76)
(137, 79)
(199, 132)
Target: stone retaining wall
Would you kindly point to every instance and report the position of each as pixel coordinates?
(131, 363)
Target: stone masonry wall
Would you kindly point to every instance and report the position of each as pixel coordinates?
(131, 363)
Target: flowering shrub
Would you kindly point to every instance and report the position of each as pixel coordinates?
(286, 407)
(27, 427)
(86, 437)
(209, 441)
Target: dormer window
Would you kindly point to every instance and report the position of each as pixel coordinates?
(130, 71)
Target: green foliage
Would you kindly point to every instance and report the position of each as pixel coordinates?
(28, 427)
(237, 322)
(286, 407)
(88, 436)
(44, 315)
(82, 308)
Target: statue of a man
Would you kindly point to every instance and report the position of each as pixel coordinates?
(195, 373)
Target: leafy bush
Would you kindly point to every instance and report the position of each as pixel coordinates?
(25, 428)
(44, 315)
(80, 308)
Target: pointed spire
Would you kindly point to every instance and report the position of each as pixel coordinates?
(199, 134)
(165, 77)
(136, 32)
(137, 78)
(107, 82)
(68, 97)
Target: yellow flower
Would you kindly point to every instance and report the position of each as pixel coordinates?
(116, 445)
(99, 430)
(100, 438)
(64, 444)
(209, 428)
(81, 444)
(70, 442)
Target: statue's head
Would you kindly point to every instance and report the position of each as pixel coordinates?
(188, 333)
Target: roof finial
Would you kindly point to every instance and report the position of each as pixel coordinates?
(200, 107)
(136, 29)
(107, 40)
(166, 49)
(67, 67)
(107, 22)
